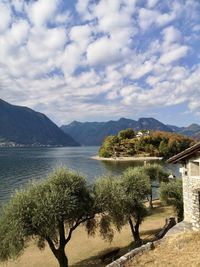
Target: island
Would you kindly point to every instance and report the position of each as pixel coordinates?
(129, 145)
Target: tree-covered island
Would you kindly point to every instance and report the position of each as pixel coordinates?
(128, 143)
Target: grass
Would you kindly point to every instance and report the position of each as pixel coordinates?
(87, 251)
(176, 251)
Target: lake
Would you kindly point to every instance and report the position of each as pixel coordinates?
(19, 165)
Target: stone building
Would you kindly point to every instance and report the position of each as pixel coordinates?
(190, 161)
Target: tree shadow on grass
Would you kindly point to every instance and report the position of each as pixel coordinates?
(103, 258)
(106, 256)
(147, 235)
(150, 235)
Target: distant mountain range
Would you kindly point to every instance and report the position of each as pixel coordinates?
(192, 130)
(26, 127)
(22, 126)
(93, 133)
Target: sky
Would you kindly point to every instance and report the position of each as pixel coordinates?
(97, 60)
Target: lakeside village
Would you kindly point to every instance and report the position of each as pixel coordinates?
(115, 216)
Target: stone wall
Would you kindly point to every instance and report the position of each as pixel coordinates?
(191, 194)
(128, 257)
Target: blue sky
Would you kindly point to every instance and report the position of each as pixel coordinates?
(98, 60)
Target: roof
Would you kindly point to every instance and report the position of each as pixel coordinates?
(185, 154)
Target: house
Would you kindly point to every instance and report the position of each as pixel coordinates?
(142, 133)
(190, 161)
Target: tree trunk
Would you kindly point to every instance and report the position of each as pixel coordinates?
(135, 232)
(150, 200)
(138, 240)
(62, 258)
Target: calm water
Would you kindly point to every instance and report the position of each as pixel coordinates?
(19, 165)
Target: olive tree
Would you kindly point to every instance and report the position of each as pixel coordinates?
(172, 194)
(48, 211)
(136, 187)
(155, 172)
(109, 196)
(122, 200)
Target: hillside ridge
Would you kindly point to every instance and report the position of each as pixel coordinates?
(25, 127)
(93, 133)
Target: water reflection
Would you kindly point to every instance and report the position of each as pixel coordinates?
(117, 167)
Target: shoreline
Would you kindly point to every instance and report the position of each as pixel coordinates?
(127, 158)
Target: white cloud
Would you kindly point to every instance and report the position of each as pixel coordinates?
(18, 5)
(62, 18)
(42, 11)
(147, 17)
(71, 59)
(46, 43)
(106, 7)
(113, 75)
(84, 80)
(171, 34)
(18, 33)
(175, 54)
(103, 51)
(143, 69)
(115, 21)
(5, 19)
(152, 3)
(196, 28)
(80, 35)
(117, 56)
(112, 95)
(82, 8)
(164, 19)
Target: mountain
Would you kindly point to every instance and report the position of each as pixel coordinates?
(175, 128)
(152, 124)
(24, 126)
(191, 130)
(93, 133)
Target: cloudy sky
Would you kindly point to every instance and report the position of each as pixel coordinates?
(97, 60)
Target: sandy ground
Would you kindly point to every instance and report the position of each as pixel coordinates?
(127, 158)
(82, 247)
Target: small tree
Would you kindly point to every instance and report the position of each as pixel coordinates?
(126, 134)
(49, 211)
(136, 187)
(122, 199)
(172, 194)
(109, 196)
(109, 146)
(155, 172)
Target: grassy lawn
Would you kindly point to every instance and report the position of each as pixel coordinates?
(86, 251)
